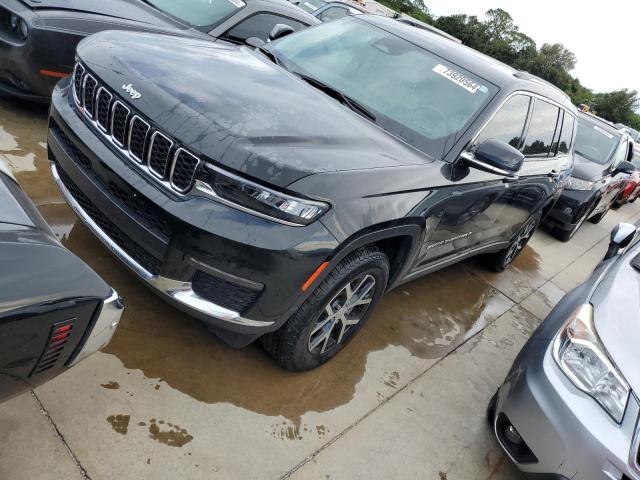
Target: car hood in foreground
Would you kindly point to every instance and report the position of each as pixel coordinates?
(586, 169)
(233, 106)
(616, 303)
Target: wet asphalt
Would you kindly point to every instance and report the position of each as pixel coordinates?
(166, 399)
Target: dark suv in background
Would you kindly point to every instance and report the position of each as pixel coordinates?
(278, 193)
(38, 38)
(601, 171)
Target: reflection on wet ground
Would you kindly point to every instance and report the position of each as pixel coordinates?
(428, 317)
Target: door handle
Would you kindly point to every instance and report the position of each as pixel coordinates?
(553, 174)
(510, 179)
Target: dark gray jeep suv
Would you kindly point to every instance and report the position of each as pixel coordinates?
(278, 193)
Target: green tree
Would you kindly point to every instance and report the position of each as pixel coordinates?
(618, 106)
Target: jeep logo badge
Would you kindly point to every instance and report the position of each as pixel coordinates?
(132, 91)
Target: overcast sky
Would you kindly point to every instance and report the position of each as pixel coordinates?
(605, 36)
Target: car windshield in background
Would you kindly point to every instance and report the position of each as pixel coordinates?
(310, 5)
(412, 93)
(199, 13)
(593, 142)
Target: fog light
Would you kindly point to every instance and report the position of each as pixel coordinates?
(512, 435)
(13, 21)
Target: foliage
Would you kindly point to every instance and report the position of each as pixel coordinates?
(499, 37)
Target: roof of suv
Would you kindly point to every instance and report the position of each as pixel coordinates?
(498, 73)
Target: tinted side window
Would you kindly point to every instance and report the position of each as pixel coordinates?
(541, 129)
(564, 145)
(508, 123)
(259, 25)
(333, 13)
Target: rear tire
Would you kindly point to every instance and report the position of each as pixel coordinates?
(313, 335)
(499, 261)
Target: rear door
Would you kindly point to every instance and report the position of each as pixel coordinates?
(538, 181)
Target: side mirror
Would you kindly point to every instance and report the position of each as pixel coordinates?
(495, 156)
(625, 167)
(254, 42)
(280, 30)
(621, 237)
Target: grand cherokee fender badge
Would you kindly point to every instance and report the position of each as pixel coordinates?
(132, 91)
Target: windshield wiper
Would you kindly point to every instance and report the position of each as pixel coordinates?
(338, 95)
(270, 55)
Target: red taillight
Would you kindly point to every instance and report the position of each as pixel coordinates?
(60, 334)
(66, 328)
(57, 338)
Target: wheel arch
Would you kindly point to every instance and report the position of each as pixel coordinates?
(400, 242)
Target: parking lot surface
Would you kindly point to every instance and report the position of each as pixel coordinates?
(405, 399)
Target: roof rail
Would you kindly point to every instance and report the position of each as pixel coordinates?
(524, 75)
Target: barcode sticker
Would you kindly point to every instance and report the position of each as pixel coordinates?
(459, 79)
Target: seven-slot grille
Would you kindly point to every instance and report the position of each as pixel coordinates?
(175, 167)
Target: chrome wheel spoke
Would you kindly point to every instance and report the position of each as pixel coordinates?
(341, 313)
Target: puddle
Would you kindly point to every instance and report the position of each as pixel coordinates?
(170, 435)
(119, 423)
(111, 385)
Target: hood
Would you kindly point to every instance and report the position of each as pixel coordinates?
(135, 10)
(616, 303)
(234, 107)
(585, 169)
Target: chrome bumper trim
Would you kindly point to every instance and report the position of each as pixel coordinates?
(179, 291)
(104, 328)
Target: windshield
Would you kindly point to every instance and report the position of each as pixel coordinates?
(412, 93)
(310, 5)
(594, 143)
(199, 13)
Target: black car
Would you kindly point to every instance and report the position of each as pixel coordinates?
(601, 171)
(278, 193)
(54, 310)
(38, 38)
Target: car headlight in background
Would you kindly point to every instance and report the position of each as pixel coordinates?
(264, 201)
(23, 30)
(581, 355)
(19, 26)
(14, 20)
(573, 183)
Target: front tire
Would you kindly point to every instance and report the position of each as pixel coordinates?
(332, 315)
(598, 218)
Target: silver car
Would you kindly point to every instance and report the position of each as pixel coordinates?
(569, 407)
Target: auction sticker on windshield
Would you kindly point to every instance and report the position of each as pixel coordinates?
(459, 79)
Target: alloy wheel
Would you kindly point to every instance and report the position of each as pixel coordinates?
(519, 243)
(343, 312)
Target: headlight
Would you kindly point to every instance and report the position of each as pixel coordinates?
(581, 356)
(24, 30)
(573, 183)
(13, 21)
(264, 201)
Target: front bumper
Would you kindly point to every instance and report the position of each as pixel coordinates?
(571, 208)
(570, 435)
(237, 250)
